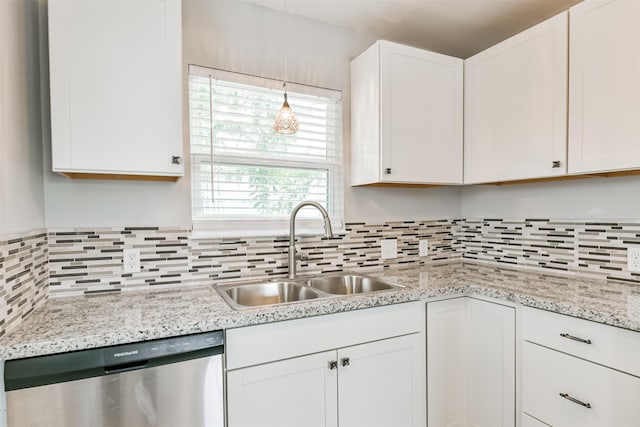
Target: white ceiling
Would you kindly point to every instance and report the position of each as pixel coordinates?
(454, 27)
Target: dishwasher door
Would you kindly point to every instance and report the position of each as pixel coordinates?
(183, 393)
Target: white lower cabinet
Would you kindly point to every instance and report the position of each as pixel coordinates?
(383, 383)
(377, 381)
(446, 330)
(565, 391)
(470, 363)
(577, 373)
(293, 392)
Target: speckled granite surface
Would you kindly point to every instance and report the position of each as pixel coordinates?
(77, 323)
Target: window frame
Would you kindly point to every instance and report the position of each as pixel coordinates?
(230, 226)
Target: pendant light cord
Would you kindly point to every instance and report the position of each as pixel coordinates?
(286, 48)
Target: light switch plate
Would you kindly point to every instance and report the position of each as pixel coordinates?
(633, 259)
(424, 247)
(389, 248)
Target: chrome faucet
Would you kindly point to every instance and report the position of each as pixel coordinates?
(292, 232)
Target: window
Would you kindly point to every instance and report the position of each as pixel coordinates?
(244, 175)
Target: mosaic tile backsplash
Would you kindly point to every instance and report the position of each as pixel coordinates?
(90, 261)
(23, 277)
(595, 249)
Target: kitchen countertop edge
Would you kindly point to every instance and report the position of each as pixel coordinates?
(569, 295)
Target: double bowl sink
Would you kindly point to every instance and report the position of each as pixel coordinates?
(281, 291)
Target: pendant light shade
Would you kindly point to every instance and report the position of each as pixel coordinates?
(286, 122)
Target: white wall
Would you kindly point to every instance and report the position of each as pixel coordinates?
(241, 37)
(589, 198)
(21, 188)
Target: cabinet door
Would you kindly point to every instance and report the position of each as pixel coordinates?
(446, 369)
(491, 384)
(470, 363)
(383, 383)
(420, 116)
(516, 106)
(115, 73)
(291, 393)
(604, 79)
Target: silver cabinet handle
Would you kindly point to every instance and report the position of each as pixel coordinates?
(387, 171)
(574, 400)
(345, 361)
(176, 160)
(556, 164)
(333, 364)
(571, 337)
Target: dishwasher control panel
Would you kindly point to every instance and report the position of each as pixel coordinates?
(127, 353)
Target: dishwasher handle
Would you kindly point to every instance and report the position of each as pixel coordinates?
(126, 367)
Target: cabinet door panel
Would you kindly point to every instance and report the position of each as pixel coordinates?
(604, 103)
(515, 106)
(291, 393)
(491, 361)
(446, 370)
(470, 363)
(383, 383)
(115, 69)
(421, 115)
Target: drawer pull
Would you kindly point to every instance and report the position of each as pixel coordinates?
(574, 400)
(571, 337)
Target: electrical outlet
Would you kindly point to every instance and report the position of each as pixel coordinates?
(424, 247)
(633, 259)
(389, 248)
(131, 260)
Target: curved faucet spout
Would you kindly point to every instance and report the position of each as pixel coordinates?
(292, 231)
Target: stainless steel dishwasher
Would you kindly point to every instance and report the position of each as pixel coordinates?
(173, 382)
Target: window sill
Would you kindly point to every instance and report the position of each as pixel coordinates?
(225, 229)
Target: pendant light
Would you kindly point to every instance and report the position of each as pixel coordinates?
(286, 122)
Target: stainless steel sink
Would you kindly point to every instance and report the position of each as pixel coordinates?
(261, 293)
(346, 284)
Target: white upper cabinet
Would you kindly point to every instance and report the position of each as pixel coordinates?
(116, 87)
(516, 105)
(604, 91)
(406, 116)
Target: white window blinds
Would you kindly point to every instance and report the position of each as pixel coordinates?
(241, 168)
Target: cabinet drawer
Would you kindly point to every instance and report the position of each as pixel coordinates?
(610, 346)
(612, 396)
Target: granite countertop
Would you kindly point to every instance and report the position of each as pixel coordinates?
(76, 323)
